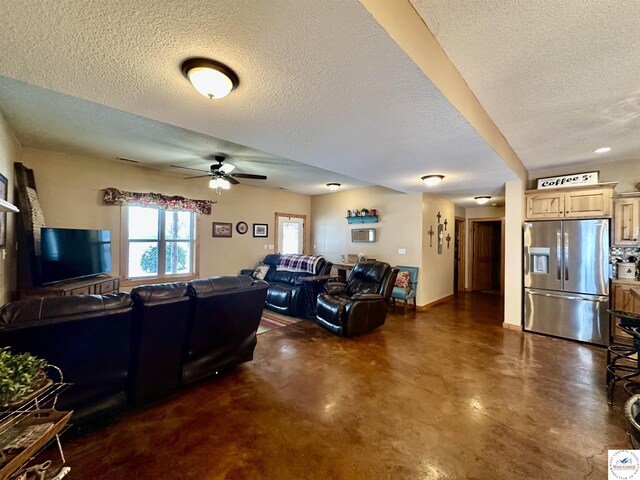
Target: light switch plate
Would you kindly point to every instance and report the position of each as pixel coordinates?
(402, 251)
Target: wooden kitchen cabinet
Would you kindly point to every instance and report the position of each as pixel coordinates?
(622, 299)
(592, 201)
(626, 221)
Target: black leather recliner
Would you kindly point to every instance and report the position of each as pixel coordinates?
(361, 304)
(161, 314)
(222, 327)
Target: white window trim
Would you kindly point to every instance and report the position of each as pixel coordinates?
(125, 280)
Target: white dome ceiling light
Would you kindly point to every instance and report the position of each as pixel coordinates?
(432, 180)
(482, 199)
(212, 79)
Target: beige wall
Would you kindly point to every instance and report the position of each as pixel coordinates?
(514, 216)
(626, 173)
(9, 153)
(437, 269)
(399, 225)
(70, 193)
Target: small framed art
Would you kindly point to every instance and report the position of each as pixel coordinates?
(260, 230)
(222, 229)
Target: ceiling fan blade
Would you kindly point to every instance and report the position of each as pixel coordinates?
(197, 176)
(227, 168)
(232, 180)
(188, 168)
(249, 175)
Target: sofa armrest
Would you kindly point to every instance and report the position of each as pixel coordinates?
(335, 288)
(366, 297)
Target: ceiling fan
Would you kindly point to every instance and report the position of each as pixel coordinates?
(221, 176)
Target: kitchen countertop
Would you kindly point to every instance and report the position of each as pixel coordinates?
(626, 281)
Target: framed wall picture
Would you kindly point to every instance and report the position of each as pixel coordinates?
(222, 229)
(260, 230)
(3, 216)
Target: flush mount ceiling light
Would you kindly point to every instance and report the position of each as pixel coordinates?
(212, 79)
(602, 150)
(432, 180)
(482, 199)
(333, 186)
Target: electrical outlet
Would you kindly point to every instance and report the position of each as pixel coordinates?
(402, 251)
(266, 247)
(271, 246)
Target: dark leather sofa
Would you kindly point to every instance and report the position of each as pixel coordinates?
(88, 337)
(361, 304)
(285, 294)
(123, 349)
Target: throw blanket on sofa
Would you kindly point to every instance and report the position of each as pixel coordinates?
(298, 263)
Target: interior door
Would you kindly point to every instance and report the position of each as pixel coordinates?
(290, 234)
(486, 254)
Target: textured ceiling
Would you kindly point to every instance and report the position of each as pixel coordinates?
(45, 119)
(320, 82)
(559, 79)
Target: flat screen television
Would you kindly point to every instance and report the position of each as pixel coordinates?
(69, 253)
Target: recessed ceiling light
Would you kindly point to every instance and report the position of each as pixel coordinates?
(432, 180)
(212, 79)
(333, 186)
(482, 199)
(602, 150)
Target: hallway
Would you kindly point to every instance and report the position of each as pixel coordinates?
(447, 393)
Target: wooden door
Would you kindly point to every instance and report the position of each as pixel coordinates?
(594, 202)
(545, 205)
(458, 256)
(486, 255)
(626, 220)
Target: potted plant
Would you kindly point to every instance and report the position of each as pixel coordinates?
(21, 376)
(364, 212)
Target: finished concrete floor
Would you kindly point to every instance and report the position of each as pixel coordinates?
(444, 394)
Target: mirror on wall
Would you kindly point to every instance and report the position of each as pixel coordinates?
(363, 235)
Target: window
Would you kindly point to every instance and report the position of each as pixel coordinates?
(160, 243)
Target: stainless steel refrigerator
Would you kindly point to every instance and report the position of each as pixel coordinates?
(566, 279)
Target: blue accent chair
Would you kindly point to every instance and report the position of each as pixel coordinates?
(401, 294)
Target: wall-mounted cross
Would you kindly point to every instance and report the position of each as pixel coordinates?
(439, 216)
(445, 224)
(448, 239)
(431, 233)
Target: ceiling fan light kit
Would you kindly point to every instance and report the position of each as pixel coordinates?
(432, 180)
(211, 79)
(482, 199)
(221, 176)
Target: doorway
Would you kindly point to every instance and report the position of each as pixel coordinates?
(487, 254)
(458, 256)
(290, 233)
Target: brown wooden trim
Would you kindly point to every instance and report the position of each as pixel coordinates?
(145, 281)
(511, 326)
(462, 252)
(424, 308)
(471, 249)
(304, 229)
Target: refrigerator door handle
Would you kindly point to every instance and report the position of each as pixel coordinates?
(588, 298)
(566, 256)
(558, 253)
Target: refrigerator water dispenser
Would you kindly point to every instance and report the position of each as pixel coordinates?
(539, 260)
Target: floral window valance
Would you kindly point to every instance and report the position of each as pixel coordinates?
(113, 196)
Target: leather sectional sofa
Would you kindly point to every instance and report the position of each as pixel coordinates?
(284, 294)
(121, 349)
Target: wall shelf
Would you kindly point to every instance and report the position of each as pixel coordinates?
(365, 219)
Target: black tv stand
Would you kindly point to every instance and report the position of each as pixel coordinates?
(100, 284)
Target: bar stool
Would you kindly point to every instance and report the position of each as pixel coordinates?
(630, 324)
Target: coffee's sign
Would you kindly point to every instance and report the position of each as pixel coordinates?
(587, 178)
